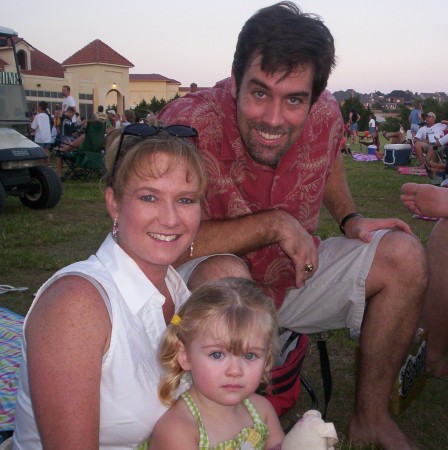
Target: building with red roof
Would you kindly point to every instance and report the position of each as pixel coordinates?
(96, 74)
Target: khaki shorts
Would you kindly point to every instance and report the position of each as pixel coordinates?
(334, 297)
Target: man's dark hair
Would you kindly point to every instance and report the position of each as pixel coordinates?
(286, 39)
(43, 105)
(100, 108)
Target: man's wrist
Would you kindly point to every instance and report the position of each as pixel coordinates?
(348, 217)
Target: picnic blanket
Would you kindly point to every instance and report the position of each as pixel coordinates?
(364, 157)
(11, 326)
(408, 170)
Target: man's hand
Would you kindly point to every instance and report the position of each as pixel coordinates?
(362, 228)
(298, 244)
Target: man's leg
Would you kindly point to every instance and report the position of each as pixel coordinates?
(394, 290)
(435, 308)
(419, 152)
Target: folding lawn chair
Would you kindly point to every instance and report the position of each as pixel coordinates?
(89, 158)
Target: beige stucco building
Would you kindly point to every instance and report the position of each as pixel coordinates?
(96, 74)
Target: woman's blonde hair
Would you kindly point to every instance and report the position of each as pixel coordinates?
(138, 158)
(236, 303)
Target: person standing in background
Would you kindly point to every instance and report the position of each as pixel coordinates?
(416, 118)
(353, 118)
(42, 126)
(372, 125)
(68, 101)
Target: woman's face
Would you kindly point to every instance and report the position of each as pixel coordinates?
(157, 217)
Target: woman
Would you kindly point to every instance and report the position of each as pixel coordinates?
(353, 118)
(89, 373)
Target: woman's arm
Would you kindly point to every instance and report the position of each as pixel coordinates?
(67, 333)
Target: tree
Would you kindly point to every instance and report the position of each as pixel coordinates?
(430, 104)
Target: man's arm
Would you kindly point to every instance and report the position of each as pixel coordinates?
(252, 232)
(339, 202)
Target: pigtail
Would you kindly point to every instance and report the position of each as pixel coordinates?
(172, 370)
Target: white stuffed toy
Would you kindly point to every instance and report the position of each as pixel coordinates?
(311, 433)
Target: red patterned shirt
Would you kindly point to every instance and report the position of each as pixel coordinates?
(239, 186)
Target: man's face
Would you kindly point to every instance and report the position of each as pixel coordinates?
(430, 121)
(65, 92)
(271, 111)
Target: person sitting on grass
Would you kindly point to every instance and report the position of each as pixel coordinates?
(432, 201)
(89, 372)
(396, 137)
(224, 336)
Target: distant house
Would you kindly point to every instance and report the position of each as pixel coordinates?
(157, 85)
(96, 74)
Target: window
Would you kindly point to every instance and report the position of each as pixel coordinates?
(22, 59)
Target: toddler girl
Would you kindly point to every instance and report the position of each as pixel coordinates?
(224, 336)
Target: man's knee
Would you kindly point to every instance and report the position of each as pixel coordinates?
(216, 267)
(402, 260)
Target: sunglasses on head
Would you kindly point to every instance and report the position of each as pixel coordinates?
(145, 130)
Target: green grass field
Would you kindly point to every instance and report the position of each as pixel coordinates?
(34, 244)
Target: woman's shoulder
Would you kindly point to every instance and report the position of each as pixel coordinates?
(69, 301)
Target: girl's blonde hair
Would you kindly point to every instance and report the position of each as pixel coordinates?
(138, 158)
(237, 303)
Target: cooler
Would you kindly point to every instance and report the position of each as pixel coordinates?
(371, 149)
(397, 154)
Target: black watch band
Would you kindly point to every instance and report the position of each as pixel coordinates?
(346, 219)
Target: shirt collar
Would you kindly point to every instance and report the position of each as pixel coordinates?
(135, 288)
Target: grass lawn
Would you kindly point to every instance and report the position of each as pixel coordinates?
(34, 244)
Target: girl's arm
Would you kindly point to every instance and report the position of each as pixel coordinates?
(184, 437)
(267, 412)
(67, 333)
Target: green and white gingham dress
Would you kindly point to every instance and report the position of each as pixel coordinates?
(253, 438)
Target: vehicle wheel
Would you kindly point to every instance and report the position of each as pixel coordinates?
(2, 198)
(46, 189)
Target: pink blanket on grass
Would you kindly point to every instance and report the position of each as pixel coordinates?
(407, 170)
(364, 157)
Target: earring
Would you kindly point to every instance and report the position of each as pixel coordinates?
(115, 229)
(191, 249)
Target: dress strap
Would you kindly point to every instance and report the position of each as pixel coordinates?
(203, 436)
(258, 421)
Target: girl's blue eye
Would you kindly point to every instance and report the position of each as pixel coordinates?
(186, 201)
(250, 356)
(216, 355)
(148, 198)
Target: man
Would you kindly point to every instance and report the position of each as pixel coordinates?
(111, 118)
(42, 126)
(270, 137)
(100, 114)
(371, 124)
(68, 101)
(396, 137)
(426, 137)
(69, 132)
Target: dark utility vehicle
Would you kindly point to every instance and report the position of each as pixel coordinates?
(22, 162)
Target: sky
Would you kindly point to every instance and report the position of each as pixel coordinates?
(381, 45)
